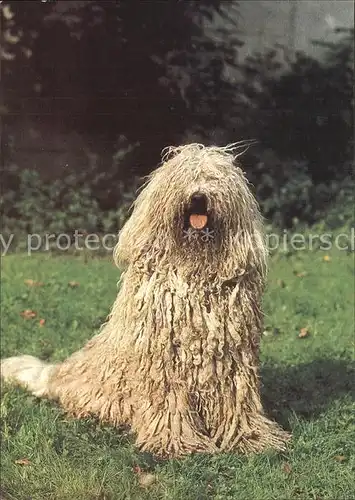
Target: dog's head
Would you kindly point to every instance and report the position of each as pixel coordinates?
(197, 212)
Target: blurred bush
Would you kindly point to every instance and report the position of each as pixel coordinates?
(302, 109)
(30, 206)
(289, 196)
(301, 112)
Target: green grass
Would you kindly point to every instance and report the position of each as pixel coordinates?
(307, 385)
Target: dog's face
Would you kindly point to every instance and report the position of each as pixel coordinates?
(197, 209)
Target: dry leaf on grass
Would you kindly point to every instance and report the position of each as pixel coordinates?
(340, 458)
(22, 461)
(271, 331)
(286, 468)
(33, 283)
(326, 258)
(28, 314)
(42, 322)
(137, 469)
(300, 274)
(304, 332)
(146, 479)
(73, 284)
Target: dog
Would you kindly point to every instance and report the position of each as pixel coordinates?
(178, 358)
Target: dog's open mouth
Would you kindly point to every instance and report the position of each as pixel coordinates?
(196, 216)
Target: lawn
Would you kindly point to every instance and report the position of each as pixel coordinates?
(307, 381)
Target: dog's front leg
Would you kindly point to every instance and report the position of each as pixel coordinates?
(167, 424)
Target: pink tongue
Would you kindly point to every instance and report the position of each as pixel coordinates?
(198, 221)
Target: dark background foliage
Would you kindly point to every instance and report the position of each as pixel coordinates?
(129, 78)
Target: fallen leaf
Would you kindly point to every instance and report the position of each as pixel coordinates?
(22, 461)
(137, 469)
(73, 284)
(267, 331)
(304, 332)
(146, 479)
(28, 314)
(42, 322)
(33, 283)
(326, 258)
(301, 274)
(271, 331)
(340, 458)
(286, 468)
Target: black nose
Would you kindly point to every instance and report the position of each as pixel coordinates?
(198, 203)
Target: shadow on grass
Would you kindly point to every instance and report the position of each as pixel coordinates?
(306, 389)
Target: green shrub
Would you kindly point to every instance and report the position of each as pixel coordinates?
(289, 196)
(28, 205)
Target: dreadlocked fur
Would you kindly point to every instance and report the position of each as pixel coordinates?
(178, 358)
